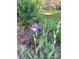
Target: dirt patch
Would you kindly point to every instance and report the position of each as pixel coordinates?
(22, 35)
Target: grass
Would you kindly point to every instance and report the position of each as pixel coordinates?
(53, 17)
(44, 50)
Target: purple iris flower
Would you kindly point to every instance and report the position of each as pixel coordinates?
(34, 27)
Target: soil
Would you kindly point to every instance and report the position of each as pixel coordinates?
(22, 35)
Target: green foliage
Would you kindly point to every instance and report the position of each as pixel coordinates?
(45, 49)
(26, 10)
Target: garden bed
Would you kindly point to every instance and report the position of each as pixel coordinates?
(38, 34)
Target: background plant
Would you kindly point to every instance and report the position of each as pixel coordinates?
(26, 10)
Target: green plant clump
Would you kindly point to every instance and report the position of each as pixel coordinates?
(26, 10)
